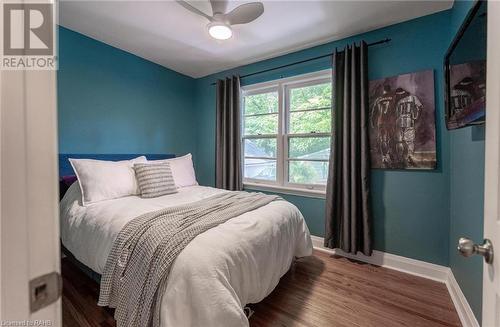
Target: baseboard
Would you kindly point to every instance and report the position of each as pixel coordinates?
(413, 267)
(463, 308)
(392, 261)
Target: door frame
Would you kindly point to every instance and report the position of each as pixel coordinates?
(29, 200)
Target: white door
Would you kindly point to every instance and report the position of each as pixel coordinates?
(29, 223)
(491, 277)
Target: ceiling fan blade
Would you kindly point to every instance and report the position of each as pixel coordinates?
(245, 13)
(193, 9)
(218, 6)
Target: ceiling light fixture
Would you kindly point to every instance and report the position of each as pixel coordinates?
(221, 20)
(219, 30)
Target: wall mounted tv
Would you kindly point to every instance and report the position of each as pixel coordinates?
(465, 71)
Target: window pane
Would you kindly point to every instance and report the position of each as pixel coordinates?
(258, 125)
(308, 172)
(310, 97)
(264, 169)
(261, 103)
(260, 148)
(309, 148)
(318, 121)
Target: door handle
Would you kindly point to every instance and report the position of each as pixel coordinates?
(467, 248)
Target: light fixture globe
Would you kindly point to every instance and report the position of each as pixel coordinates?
(219, 30)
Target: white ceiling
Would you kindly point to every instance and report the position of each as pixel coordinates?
(166, 33)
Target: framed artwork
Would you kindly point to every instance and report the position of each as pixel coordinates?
(402, 122)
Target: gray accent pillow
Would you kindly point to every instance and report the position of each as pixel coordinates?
(154, 179)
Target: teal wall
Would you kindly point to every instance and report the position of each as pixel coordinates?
(411, 214)
(110, 101)
(466, 193)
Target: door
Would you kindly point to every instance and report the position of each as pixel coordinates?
(491, 276)
(28, 195)
(29, 223)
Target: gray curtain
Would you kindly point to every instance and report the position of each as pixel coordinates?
(348, 224)
(228, 147)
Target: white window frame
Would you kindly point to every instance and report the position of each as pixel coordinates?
(282, 87)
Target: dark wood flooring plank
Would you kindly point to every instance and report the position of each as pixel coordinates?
(319, 291)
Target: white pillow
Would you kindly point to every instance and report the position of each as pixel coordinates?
(104, 180)
(182, 170)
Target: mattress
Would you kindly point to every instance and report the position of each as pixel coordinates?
(218, 273)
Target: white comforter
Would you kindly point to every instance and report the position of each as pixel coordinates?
(218, 273)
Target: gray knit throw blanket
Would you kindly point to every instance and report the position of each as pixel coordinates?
(136, 271)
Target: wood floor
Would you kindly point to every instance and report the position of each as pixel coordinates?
(321, 290)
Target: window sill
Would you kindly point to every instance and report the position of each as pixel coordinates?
(285, 190)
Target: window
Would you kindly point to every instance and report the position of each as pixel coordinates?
(286, 128)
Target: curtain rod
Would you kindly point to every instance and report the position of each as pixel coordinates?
(305, 60)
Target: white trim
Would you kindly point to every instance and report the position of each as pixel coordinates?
(410, 266)
(30, 202)
(267, 88)
(414, 267)
(491, 228)
(280, 150)
(467, 317)
(267, 187)
(282, 87)
(325, 73)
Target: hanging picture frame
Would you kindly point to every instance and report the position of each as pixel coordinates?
(402, 124)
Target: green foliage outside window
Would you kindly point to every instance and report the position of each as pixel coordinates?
(263, 103)
(261, 117)
(308, 172)
(314, 121)
(311, 97)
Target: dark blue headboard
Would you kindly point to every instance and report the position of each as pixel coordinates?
(65, 168)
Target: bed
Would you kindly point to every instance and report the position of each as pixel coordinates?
(217, 273)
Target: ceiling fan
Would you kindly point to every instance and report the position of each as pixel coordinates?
(219, 26)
